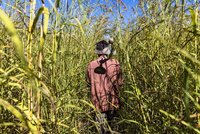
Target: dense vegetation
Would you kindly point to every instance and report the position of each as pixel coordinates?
(45, 49)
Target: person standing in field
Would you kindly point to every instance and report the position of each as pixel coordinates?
(104, 78)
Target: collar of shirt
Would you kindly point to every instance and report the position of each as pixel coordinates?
(102, 57)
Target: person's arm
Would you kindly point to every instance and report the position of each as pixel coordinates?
(119, 76)
(117, 81)
(92, 93)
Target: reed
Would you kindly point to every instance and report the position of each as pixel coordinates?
(44, 53)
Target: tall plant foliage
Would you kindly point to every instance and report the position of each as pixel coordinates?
(45, 47)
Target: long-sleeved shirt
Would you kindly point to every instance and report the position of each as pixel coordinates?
(104, 78)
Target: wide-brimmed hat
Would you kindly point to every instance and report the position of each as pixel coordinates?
(103, 47)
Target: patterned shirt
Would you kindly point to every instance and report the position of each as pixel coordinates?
(104, 78)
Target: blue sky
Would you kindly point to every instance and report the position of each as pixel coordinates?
(127, 2)
(126, 13)
(129, 12)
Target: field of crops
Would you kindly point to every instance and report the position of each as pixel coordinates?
(45, 47)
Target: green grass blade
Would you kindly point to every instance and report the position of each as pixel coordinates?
(178, 120)
(33, 26)
(194, 16)
(80, 26)
(15, 38)
(45, 27)
(17, 114)
(30, 116)
(46, 20)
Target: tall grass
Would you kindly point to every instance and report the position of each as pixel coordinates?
(44, 53)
